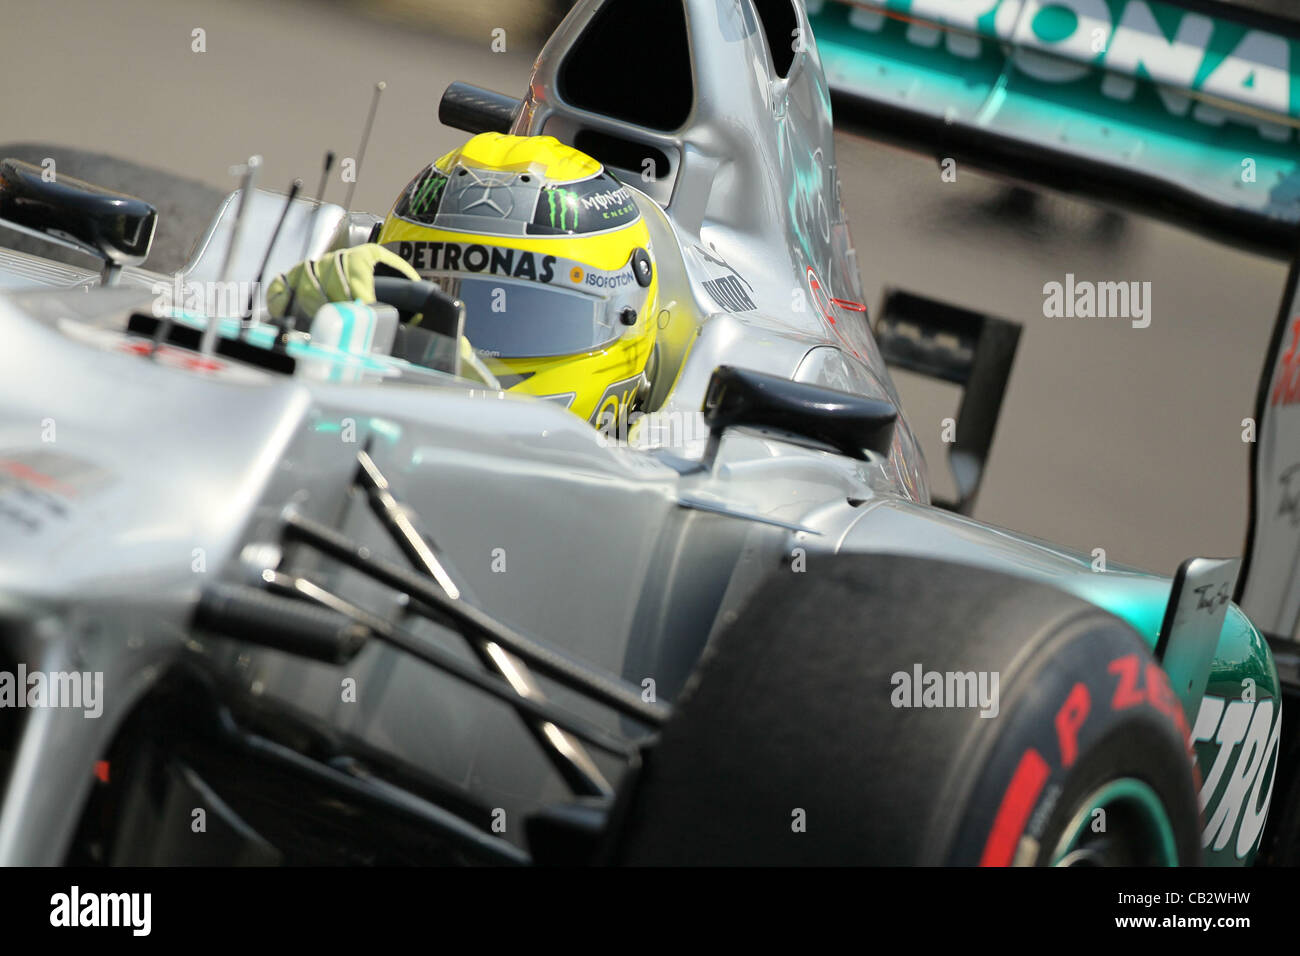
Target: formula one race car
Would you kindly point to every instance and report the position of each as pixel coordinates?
(335, 589)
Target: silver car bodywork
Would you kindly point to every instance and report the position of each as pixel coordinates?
(620, 549)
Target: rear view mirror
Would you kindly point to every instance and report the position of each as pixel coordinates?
(110, 226)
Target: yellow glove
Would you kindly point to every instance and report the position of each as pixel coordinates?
(349, 274)
(341, 276)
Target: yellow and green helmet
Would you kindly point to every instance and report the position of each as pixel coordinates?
(552, 259)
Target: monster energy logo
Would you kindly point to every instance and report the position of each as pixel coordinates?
(427, 193)
(567, 201)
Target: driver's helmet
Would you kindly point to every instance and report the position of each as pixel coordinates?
(552, 259)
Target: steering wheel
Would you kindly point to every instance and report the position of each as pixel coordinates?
(439, 312)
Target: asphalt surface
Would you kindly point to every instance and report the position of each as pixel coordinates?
(1112, 437)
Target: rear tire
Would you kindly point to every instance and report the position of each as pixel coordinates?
(791, 718)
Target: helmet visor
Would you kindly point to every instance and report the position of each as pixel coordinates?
(516, 319)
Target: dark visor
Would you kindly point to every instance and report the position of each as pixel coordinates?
(513, 319)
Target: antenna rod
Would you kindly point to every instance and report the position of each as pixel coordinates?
(286, 320)
(324, 184)
(245, 187)
(284, 214)
(361, 150)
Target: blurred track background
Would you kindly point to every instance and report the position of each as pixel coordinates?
(1111, 437)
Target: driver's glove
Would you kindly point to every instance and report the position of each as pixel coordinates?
(344, 275)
